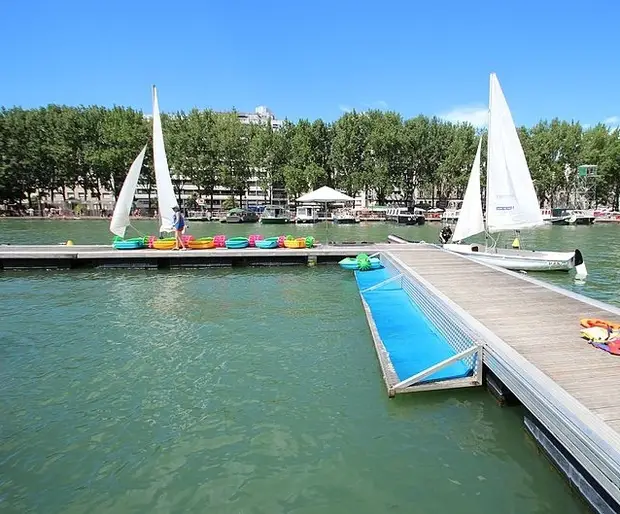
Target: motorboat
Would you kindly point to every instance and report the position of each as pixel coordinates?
(406, 215)
(571, 217)
(238, 215)
(274, 215)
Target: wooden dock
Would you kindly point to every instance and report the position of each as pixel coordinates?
(530, 331)
(104, 256)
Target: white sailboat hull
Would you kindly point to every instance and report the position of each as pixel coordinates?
(516, 260)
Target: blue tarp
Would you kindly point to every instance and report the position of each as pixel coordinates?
(410, 338)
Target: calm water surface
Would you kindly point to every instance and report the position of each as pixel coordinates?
(239, 391)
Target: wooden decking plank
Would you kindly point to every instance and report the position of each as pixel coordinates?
(541, 324)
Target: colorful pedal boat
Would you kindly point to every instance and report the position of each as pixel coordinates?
(270, 242)
(298, 243)
(164, 244)
(235, 243)
(128, 244)
(352, 263)
(204, 243)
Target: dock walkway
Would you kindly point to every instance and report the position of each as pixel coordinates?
(532, 343)
(104, 256)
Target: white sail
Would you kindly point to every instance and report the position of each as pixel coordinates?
(471, 220)
(165, 192)
(511, 198)
(122, 209)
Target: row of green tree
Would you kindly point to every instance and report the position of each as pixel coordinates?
(48, 150)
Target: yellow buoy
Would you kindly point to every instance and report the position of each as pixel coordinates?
(69, 243)
(515, 243)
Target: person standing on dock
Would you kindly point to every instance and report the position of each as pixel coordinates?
(179, 225)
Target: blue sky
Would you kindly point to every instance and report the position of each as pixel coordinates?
(317, 58)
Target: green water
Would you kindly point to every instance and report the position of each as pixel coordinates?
(236, 391)
(244, 391)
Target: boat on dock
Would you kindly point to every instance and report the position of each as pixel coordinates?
(512, 204)
(361, 263)
(274, 215)
(267, 243)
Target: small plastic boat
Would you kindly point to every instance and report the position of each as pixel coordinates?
(254, 238)
(300, 242)
(164, 244)
(237, 242)
(204, 243)
(353, 263)
(128, 244)
(220, 241)
(270, 242)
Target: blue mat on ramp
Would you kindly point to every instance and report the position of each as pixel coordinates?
(411, 340)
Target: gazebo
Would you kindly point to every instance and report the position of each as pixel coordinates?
(325, 195)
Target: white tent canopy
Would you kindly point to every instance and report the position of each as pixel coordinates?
(325, 195)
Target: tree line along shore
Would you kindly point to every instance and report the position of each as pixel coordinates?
(45, 151)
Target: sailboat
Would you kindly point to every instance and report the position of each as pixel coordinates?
(512, 204)
(166, 199)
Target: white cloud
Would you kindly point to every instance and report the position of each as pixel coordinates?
(475, 114)
(345, 108)
(381, 104)
(612, 121)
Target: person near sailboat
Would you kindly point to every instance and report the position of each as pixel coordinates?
(445, 235)
(171, 220)
(178, 222)
(511, 199)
